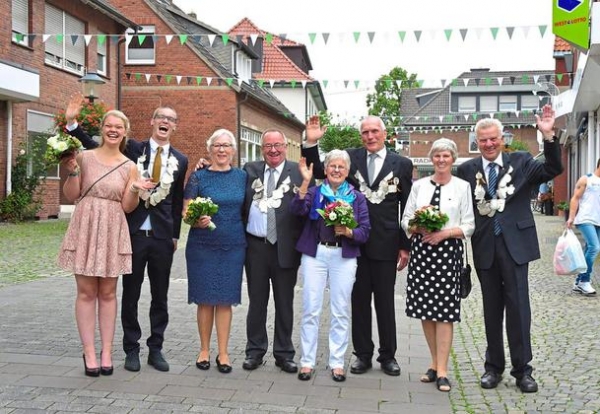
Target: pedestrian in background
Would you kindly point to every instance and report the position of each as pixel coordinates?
(584, 212)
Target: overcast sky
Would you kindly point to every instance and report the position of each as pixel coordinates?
(432, 58)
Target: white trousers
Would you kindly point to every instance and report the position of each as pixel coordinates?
(315, 271)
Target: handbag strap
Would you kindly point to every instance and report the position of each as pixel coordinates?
(95, 182)
(466, 247)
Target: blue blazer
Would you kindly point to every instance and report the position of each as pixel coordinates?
(166, 215)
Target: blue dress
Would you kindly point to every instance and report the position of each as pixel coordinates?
(215, 259)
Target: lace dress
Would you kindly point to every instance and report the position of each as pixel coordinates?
(215, 259)
(97, 241)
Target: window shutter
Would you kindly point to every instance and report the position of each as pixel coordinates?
(54, 25)
(20, 16)
(74, 53)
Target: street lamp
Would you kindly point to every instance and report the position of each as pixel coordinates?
(91, 85)
(547, 87)
(508, 138)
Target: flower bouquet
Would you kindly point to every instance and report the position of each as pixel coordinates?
(429, 218)
(338, 213)
(200, 206)
(61, 146)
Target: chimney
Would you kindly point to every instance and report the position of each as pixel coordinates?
(193, 15)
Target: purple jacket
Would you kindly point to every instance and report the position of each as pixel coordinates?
(309, 239)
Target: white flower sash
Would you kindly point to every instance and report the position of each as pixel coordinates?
(161, 191)
(490, 207)
(388, 185)
(260, 196)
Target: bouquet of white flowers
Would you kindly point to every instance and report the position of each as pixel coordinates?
(61, 146)
(429, 218)
(200, 206)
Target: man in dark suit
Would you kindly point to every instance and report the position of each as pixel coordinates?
(505, 241)
(154, 226)
(271, 256)
(385, 178)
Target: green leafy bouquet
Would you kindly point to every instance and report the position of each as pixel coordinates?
(429, 218)
(200, 206)
(338, 213)
(61, 146)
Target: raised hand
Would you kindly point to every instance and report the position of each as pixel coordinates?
(74, 107)
(305, 171)
(314, 130)
(545, 123)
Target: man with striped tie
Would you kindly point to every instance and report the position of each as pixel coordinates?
(505, 241)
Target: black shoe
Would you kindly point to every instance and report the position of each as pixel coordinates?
(360, 366)
(158, 361)
(223, 368)
(132, 361)
(490, 380)
(287, 365)
(251, 363)
(90, 372)
(105, 370)
(443, 384)
(337, 377)
(527, 384)
(305, 376)
(203, 365)
(429, 376)
(391, 367)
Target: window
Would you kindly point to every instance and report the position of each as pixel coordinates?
(243, 67)
(40, 126)
(473, 142)
(20, 22)
(488, 103)
(140, 46)
(508, 103)
(466, 104)
(101, 47)
(250, 149)
(64, 55)
(529, 102)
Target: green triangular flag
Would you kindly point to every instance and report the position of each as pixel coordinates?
(141, 39)
(225, 38)
(198, 80)
(525, 79)
(20, 37)
(448, 33)
(261, 82)
(101, 39)
(494, 32)
(269, 38)
(183, 38)
(488, 81)
(168, 78)
(543, 30)
(356, 36)
(138, 76)
(356, 83)
(325, 82)
(312, 37)
(229, 81)
(59, 38)
(402, 35)
(293, 84)
(559, 77)
(388, 83)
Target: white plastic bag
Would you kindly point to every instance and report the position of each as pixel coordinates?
(568, 255)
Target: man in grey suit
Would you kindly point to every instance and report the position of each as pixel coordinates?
(505, 241)
(271, 256)
(385, 178)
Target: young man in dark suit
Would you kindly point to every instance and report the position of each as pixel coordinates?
(154, 226)
(271, 256)
(385, 178)
(505, 241)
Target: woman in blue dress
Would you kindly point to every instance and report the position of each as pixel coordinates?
(215, 258)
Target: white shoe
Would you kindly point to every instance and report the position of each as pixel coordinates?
(585, 288)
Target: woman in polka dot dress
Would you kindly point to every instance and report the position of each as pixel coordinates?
(432, 288)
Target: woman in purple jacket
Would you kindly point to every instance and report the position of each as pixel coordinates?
(328, 253)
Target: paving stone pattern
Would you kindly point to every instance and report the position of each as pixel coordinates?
(41, 365)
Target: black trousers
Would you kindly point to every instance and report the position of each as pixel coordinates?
(157, 256)
(505, 287)
(262, 272)
(374, 279)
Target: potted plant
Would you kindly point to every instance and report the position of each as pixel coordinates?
(563, 208)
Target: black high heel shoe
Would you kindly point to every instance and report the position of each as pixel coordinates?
(105, 370)
(223, 368)
(90, 372)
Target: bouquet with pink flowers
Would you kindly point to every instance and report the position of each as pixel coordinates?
(429, 218)
(338, 213)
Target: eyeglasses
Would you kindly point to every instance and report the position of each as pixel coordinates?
(117, 127)
(277, 146)
(336, 167)
(223, 146)
(168, 118)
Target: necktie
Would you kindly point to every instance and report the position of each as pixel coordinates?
(157, 165)
(493, 181)
(271, 220)
(371, 167)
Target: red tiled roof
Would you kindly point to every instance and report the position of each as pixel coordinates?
(561, 45)
(276, 65)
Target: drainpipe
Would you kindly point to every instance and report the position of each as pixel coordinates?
(119, 43)
(9, 146)
(239, 126)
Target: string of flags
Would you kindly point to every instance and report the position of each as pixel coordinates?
(402, 36)
(345, 84)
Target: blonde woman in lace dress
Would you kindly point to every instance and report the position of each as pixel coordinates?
(97, 247)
